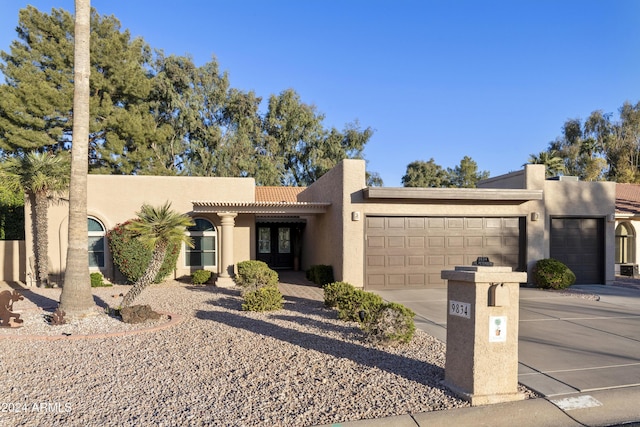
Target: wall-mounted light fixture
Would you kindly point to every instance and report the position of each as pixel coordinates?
(355, 216)
(535, 216)
(611, 218)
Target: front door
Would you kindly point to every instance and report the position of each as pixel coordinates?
(275, 245)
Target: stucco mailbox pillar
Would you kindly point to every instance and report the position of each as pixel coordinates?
(482, 333)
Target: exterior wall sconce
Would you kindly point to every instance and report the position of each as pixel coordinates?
(355, 216)
(611, 218)
(535, 216)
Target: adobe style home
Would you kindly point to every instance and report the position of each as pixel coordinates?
(373, 237)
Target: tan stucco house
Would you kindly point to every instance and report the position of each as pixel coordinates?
(373, 237)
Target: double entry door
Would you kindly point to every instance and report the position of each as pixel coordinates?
(276, 245)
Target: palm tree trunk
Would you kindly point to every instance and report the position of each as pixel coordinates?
(41, 238)
(157, 258)
(76, 299)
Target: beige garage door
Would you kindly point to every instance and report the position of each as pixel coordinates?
(410, 252)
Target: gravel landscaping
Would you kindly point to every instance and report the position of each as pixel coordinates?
(218, 365)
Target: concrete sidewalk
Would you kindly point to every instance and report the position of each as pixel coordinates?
(582, 355)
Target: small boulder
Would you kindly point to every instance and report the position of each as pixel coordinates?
(138, 314)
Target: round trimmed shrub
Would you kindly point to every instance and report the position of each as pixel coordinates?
(550, 273)
(253, 275)
(391, 324)
(351, 303)
(267, 298)
(132, 258)
(200, 277)
(333, 291)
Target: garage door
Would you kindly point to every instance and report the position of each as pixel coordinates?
(410, 252)
(579, 243)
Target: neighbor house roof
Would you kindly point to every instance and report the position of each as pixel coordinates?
(628, 199)
(278, 194)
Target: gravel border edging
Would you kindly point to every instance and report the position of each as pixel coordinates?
(174, 319)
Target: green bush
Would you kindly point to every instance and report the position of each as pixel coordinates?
(553, 274)
(97, 281)
(267, 298)
(391, 324)
(320, 274)
(132, 258)
(253, 275)
(200, 277)
(333, 291)
(352, 302)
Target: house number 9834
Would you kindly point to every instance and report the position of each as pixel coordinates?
(462, 309)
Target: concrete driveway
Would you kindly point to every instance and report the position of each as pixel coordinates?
(567, 344)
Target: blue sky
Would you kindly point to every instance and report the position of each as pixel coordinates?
(493, 80)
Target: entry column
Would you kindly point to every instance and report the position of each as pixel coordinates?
(225, 278)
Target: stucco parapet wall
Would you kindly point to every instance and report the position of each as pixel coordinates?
(482, 274)
(434, 194)
(261, 207)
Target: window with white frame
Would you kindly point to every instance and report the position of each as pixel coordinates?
(203, 253)
(625, 244)
(96, 243)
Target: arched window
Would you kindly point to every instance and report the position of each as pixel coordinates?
(625, 244)
(203, 253)
(96, 243)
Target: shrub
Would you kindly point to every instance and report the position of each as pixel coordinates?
(352, 302)
(132, 257)
(333, 291)
(97, 281)
(267, 298)
(200, 277)
(391, 324)
(320, 274)
(253, 275)
(551, 273)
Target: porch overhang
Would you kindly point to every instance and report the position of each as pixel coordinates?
(462, 195)
(261, 208)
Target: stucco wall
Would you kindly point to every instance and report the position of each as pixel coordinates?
(584, 199)
(13, 267)
(114, 199)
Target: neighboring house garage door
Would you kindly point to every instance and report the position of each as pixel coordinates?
(579, 244)
(410, 252)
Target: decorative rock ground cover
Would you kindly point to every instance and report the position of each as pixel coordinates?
(299, 366)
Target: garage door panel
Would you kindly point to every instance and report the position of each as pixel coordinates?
(375, 242)
(415, 260)
(418, 223)
(436, 260)
(416, 280)
(455, 242)
(455, 223)
(375, 260)
(436, 242)
(412, 251)
(396, 261)
(474, 241)
(375, 223)
(396, 280)
(493, 241)
(395, 242)
(474, 223)
(395, 223)
(416, 242)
